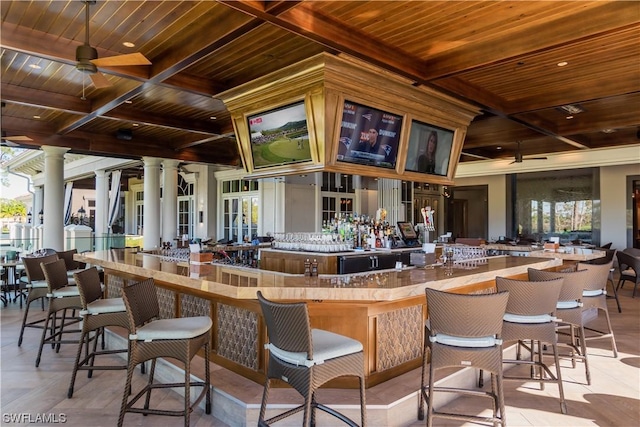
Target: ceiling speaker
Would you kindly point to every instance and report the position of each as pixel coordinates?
(124, 134)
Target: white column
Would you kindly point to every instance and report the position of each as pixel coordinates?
(102, 203)
(151, 227)
(169, 200)
(54, 197)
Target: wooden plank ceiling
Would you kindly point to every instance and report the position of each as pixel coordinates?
(502, 56)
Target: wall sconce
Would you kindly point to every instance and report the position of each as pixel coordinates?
(29, 216)
(41, 216)
(200, 217)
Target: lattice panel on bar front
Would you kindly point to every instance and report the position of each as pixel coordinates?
(115, 284)
(237, 335)
(400, 335)
(167, 303)
(191, 306)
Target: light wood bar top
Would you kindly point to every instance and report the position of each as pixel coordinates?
(243, 283)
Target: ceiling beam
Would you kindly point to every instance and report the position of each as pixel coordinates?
(43, 99)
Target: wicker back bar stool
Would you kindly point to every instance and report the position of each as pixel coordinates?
(61, 298)
(97, 313)
(530, 317)
(151, 338)
(36, 289)
(306, 359)
(569, 311)
(464, 331)
(594, 295)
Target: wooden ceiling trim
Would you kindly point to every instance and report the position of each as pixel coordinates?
(566, 30)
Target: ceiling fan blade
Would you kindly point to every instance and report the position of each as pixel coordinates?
(475, 156)
(17, 138)
(122, 60)
(99, 80)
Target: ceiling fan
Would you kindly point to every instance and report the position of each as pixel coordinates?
(88, 61)
(519, 157)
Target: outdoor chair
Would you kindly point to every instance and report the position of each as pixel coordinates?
(531, 317)
(97, 313)
(36, 289)
(151, 338)
(569, 311)
(464, 331)
(307, 358)
(61, 298)
(629, 270)
(609, 258)
(594, 295)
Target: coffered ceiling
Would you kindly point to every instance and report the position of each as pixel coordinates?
(506, 57)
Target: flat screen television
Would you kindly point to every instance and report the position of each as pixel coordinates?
(368, 136)
(279, 136)
(407, 232)
(429, 149)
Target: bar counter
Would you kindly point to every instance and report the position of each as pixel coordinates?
(385, 310)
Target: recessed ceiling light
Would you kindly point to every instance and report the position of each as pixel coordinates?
(36, 116)
(128, 101)
(35, 66)
(499, 147)
(608, 130)
(562, 63)
(213, 118)
(136, 124)
(128, 44)
(569, 117)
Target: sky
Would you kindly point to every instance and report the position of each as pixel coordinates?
(17, 187)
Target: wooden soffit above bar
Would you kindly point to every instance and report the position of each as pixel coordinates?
(339, 97)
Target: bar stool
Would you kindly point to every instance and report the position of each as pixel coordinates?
(594, 295)
(464, 331)
(36, 289)
(569, 311)
(71, 264)
(96, 314)
(61, 297)
(306, 359)
(530, 316)
(149, 339)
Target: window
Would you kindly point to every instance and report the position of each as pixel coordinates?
(139, 209)
(338, 195)
(186, 209)
(240, 202)
(556, 204)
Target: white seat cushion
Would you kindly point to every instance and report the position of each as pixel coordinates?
(107, 305)
(472, 342)
(326, 345)
(37, 284)
(593, 293)
(66, 291)
(564, 305)
(519, 318)
(173, 329)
